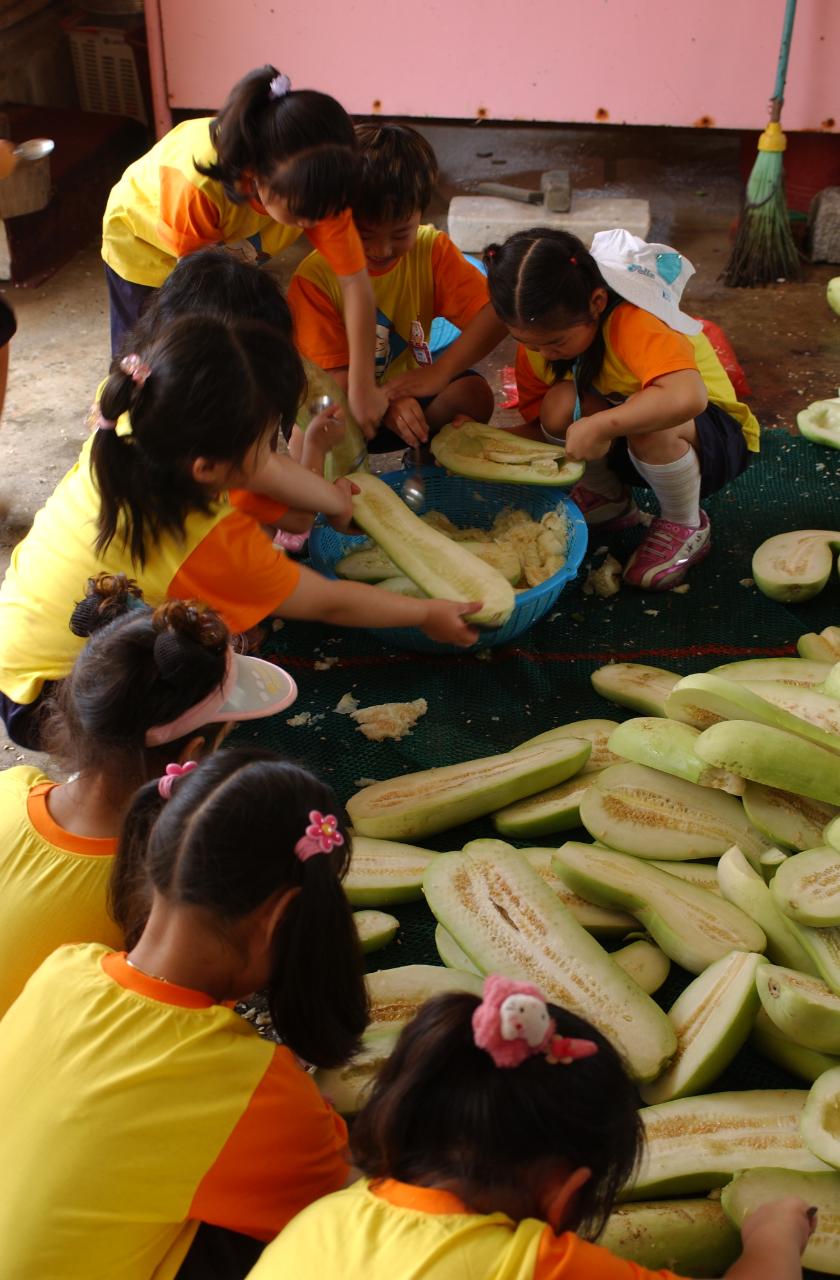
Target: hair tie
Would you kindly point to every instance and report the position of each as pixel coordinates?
(172, 772)
(573, 262)
(101, 423)
(490, 253)
(279, 86)
(512, 1023)
(320, 836)
(136, 369)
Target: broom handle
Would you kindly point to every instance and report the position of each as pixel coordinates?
(781, 71)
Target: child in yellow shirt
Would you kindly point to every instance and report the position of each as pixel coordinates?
(417, 273)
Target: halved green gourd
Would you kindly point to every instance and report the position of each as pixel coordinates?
(807, 1064)
(688, 1237)
(793, 671)
(648, 813)
(375, 929)
(795, 566)
(694, 1144)
(385, 871)
(633, 685)
(744, 887)
(668, 746)
(822, 646)
(488, 453)
(823, 949)
(703, 874)
(347, 1086)
(350, 454)
(801, 1007)
(646, 964)
(831, 834)
(558, 808)
(761, 753)
(795, 822)
(441, 567)
(414, 805)
(811, 704)
(806, 887)
(820, 422)
(451, 953)
(705, 700)
(712, 1018)
(820, 1125)
(508, 921)
(831, 684)
(755, 1187)
(691, 926)
(402, 586)
(601, 921)
(368, 564)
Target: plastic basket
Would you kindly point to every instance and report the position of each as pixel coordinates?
(105, 64)
(471, 503)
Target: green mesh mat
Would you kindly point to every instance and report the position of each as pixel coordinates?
(478, 706)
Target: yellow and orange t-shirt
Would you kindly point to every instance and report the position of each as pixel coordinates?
(134, 1109)
(391, 1230)
(162, 209)
(640, 348)
(223, 558)
(53, 884)
(432, 279)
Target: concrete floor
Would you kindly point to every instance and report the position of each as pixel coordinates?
(785, 335)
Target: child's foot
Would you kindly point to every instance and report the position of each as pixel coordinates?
(666, 554)
(607, 513)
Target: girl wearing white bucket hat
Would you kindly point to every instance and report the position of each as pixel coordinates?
(609, 362)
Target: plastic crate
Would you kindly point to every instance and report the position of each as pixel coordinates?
(472, 503)
(105, 64)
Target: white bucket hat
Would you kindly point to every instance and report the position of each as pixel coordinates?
(651, 276)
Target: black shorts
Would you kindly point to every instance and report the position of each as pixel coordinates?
(721, 448)
(8, 323)
(387, 441)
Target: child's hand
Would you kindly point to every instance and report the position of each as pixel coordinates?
(786, 1219)
(369, 405)
(342, 520)
(8, 159)
(429, 381)
(584, 443)
(445, 622)
(324, 432)
(406, 418)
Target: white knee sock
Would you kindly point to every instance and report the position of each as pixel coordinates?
(601, 479)
(676, 485)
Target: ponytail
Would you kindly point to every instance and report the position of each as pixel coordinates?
(129, 889)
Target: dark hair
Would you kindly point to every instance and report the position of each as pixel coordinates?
(397, 173)
(547, 277)
(301, 145)
(441, 1110)
(225, 842)
(215, 388)
(213, 282)
(140, 667)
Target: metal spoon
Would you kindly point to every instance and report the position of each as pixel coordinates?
(34, 149)
(414, 490)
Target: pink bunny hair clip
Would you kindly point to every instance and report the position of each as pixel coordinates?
(173, 771)
(512, 1023)
(321, 836)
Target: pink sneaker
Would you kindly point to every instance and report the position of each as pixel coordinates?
(607, 513)
(666, 554)
(294, 542)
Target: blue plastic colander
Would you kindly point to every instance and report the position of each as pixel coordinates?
(473, 504)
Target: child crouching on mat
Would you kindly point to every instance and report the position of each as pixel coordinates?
(149, 689)
(417, 273)
(494, 1143)
(148, 1130)
(610, 365)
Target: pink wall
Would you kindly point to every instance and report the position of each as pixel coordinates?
(709, 62)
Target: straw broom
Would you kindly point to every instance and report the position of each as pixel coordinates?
(764, 250)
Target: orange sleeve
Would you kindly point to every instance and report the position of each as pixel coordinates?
(339, 241)
(647, 346)
(286, 1150)
(460, 288)
(257, 505)
(237, 571)
(189, 220)
(567, 1257)
(320, 334)
(529, 385)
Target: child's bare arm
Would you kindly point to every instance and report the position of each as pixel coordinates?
(367, 400)
(666, 402)
(481, 336)
(774, 1237)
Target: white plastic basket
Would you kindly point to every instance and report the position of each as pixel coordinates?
(105, 66)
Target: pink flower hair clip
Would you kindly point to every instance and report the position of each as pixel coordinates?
(136, 368)
(512, 1023)
(173, 771)
(321, 836)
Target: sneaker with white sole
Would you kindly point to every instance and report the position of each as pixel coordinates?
(666, 554)
(606, 513)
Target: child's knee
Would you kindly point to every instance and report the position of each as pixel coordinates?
(558, 407)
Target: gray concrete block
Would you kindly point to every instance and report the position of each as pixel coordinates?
(476, 221)
(824, 226)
